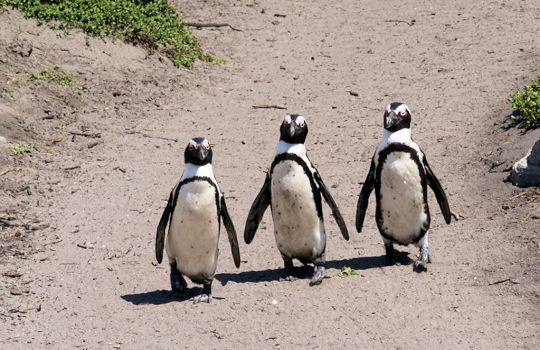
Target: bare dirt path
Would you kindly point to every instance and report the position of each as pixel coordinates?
(77, 251)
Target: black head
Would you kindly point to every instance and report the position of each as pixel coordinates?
(198, 151)
(293, 129)
(397, 116)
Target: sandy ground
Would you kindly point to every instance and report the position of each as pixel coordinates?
(79, 212)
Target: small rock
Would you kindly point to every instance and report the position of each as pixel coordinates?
(274, 302)
(526, 171)
(15, 291)
(3, 139)
(23, 48)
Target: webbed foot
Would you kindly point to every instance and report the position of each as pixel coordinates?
(423, 257)
(288, 273)
(178, 283)
(318, 275)
(206, 294)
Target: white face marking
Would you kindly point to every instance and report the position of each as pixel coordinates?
(206, 144)
(300, 121)
(192, 144)
(287, 119)
(402, 109)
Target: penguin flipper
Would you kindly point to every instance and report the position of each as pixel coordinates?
(160, 234)
(262, 201)
(435, 185)
(231, 232)
(333, 206)
(363, 198)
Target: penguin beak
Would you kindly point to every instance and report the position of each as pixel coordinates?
(202, 153)
(291, 129)
(390, 120)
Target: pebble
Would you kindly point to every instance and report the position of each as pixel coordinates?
(15, 291)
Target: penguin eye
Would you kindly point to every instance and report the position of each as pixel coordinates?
(402, 112)
(207, 146)
(190, 147)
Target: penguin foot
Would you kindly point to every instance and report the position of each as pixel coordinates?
(422, 260)
(392, 256)
(318, 275)
(288, 276)
(202, 298)
(288, 273)
(178, 283)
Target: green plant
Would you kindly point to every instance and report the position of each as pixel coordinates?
(527, 104)
(154, 24)
(54, 75)
(21, 147)
(347, 271)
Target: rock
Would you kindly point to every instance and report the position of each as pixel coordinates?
(15, 291)
(3, 139)
(526, 171)
(23, 48)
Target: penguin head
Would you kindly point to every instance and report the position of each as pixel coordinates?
(294, 129)
(397, 116)
(198, 151)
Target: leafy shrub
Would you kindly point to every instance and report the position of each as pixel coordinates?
(527, 104)
(151, 23)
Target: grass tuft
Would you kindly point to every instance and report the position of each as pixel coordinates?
(54, 75)
(153, 24)
(527, 104)
(21, 147)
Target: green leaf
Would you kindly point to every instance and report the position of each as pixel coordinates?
(347, 271)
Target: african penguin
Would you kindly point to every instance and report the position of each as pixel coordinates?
(400, 173)
(293, 189)
(193, 213)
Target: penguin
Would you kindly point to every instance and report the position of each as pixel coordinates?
(400, 174)
(193, 213)
(293, 189)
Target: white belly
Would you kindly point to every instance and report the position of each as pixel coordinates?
(194, 231)
(298, 230)
(402, 198)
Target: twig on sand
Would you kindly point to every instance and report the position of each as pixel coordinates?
(160, 137)
(269, 106)
(96, 135)
(211, 25)
(131, 132)
(412, 22)
(8, 170)
(502, 280)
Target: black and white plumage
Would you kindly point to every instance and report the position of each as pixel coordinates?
(400, 174)
(293, 189)
(193, 213)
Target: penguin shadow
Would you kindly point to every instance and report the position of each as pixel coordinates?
(159, 297)
(370, 262)
(306, 271)
(268, 275)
